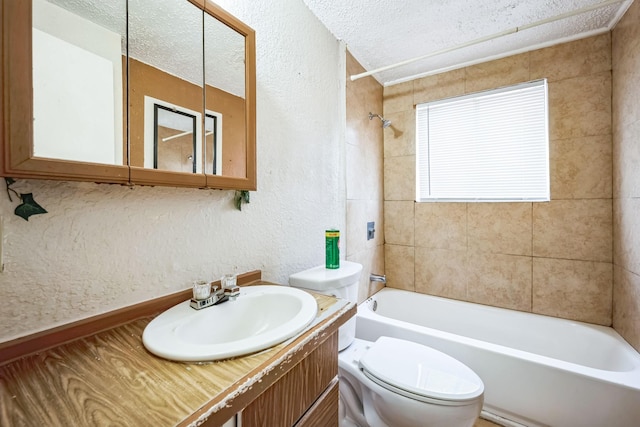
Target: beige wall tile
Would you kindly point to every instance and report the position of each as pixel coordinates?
(364, 171)
(576, 224)
(398, 98)
(500, 228)
(398, 222)
(624, 88)
(578, 290)
(356, 214)
(573, 229)
(581, 168)
(400, 178)
(441, 272)
(627, 234)
(364, 148)
(400, 137)
(626, 67)
(441, 226)
(360, 130)
(579, 58)
(364, 168)
(618, 248)
(363, 96)
(372, 262)
(626, 309)
(439, 86)
(375, 213)
(580, 106)
(359, 213)
(358, 181)
(626, 160)
(399, 266)
(500, 280)
(498, 73)
(626, 41)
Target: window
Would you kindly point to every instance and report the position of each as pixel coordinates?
(488, 146)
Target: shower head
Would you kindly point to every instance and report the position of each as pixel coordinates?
(385, 123)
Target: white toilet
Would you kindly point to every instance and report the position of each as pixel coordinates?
(393, 382)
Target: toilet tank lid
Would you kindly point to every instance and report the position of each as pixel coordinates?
(321, 278)
(421, 370)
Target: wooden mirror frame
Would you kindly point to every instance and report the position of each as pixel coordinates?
(16, 109)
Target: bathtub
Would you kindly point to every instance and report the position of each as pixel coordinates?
(537, 370)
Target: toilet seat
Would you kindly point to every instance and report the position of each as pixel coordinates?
(420, 372)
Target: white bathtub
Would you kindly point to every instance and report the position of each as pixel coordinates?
(537, 370)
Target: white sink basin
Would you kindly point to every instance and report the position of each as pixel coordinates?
(261, 317)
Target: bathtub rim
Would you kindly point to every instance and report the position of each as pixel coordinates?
(628, 378)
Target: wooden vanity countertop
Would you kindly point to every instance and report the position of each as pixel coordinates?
(109, 378)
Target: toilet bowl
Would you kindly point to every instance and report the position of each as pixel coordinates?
(393, 382)
(398, 383)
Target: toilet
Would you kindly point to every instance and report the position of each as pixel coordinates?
(393, 382)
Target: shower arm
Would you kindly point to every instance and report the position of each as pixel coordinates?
(385, 123)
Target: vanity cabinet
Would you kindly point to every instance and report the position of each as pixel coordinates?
(291, 384)
(324, 411)
(306, 396)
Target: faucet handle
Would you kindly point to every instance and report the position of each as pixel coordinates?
(201, 290)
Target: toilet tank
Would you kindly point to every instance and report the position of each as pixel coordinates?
(340, 282)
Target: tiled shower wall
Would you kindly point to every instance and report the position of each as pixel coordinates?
(626, 181)
(553, 258)
(364, 177)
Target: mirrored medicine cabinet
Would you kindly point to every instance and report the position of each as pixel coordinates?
(150, 92)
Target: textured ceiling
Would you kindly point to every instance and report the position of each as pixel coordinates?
(379, 33)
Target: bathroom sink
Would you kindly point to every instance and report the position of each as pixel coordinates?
(261, 317)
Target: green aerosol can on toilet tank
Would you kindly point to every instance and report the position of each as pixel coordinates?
(332, 248)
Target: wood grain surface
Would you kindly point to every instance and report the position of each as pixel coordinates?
(109, 379)
(284, 403)
(323, 413)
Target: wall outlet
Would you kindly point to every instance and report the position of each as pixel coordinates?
(371, 230)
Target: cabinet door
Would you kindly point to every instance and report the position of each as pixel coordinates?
(324, 412)
(285, 402)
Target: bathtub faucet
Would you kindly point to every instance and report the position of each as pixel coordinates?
(378, 278)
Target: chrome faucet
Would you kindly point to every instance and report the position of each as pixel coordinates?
(217, 296)
(378, 278)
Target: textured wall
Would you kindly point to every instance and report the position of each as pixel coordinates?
(551, 258)
(364, 177)
(102, 247)
(626, 176)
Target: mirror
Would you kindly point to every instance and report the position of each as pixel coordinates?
(179, 110)
(165, 91)
(63, 111)
(230, 96)
(224, 99)
(78, 81)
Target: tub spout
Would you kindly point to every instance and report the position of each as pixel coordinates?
(378, 278)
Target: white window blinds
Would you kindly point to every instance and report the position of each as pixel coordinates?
(488, 146)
